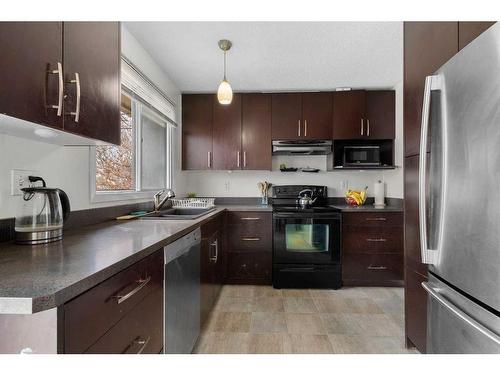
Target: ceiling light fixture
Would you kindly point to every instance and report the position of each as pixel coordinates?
(225, 92)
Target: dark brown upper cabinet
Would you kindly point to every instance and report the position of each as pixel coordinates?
(92, 67)
(317, 110)
(286, 115)
(305, 115)
(256, 131)
(468, 31)
(29, 73)
(55, 73)
(227, 134)
(348, 114)
(427, 46)
(361, 114)
(197, 112)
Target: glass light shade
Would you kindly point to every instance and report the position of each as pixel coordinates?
(225, 93)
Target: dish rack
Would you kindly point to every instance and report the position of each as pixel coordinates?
(193, 203)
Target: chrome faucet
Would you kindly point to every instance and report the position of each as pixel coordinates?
(158, 204)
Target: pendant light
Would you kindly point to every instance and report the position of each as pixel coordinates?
(225, 92)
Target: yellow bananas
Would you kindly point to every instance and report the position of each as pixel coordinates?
(356, 197)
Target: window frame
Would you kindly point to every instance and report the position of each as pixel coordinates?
(138, 192)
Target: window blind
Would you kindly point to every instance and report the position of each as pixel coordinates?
(139, 85)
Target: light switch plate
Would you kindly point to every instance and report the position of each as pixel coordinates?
(19, 180)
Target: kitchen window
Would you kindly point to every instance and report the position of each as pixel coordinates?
(141, 165)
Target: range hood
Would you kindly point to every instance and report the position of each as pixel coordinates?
(302, 147)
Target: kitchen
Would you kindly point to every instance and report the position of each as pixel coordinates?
(153, 204)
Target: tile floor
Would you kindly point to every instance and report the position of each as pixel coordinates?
(260, 319)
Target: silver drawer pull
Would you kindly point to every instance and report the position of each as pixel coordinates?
(376, 240)
(250, 218)
(376, 219)
(376, 268)
(142, 283)
(143, 342)
(250, 238)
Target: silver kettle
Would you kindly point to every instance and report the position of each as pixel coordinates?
(304, 200)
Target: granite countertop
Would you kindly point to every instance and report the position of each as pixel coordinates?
(369, 208)
(37, 278)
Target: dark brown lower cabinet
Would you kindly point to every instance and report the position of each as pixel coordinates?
(103, 320)
(249, 247)
(415, 310)
(139, 332)
(213, 264)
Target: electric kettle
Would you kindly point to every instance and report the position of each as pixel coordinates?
(41, 214)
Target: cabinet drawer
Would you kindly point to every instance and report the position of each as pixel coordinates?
(249, 267)
(372, 269)
(239, 241)
(88, 316)
(373, 218)
(250, 220)
(140, 331)
(366, 240)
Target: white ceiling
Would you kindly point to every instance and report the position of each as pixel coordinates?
(276, 56)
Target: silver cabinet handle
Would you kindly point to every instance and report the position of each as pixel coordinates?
(299, 128)
(120, 298)
(376, 240)
(238, 159)
(215, 245)
(376, 219)
(209, 159)
(250, 238)
(76, 81)
(244, 159)
(368, 127)
(459, 314)
(250, 218)
(428, 255)
(376, 268)
(60, 96)
(142, 342)
(305, 128)
(362, 126)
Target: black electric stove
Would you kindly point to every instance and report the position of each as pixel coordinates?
(307, 241)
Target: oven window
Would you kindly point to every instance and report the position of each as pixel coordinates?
(307, 238)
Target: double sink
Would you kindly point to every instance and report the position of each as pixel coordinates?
(178, 214)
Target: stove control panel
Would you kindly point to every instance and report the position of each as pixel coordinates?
(292, 191)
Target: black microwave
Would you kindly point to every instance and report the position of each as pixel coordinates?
(361, 156)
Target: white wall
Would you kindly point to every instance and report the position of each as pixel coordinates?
(68, 167)
(244, 183)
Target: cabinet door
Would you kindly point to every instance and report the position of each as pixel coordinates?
(92, 53)
(256, 131)
(468, 31)
(348, 114)
(227, 134)
(415, 309)
(30, 54)
(287, 116)
(206, 294)
(197, 131)
(317, 118)
(380, 114)
(427, 46)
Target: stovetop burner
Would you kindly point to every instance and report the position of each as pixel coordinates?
(313, 209)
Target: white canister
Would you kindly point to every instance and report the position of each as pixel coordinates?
(379, 193)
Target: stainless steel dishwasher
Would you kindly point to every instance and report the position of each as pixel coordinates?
(182, 294)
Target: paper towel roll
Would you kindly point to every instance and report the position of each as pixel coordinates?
(379, 193)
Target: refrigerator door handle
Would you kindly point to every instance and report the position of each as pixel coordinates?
(429, 256)
(461, 315)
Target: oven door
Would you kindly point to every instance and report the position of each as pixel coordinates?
(305, 238)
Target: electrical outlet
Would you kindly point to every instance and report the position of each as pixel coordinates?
(344, 185)
(227, 186)
(19, 180)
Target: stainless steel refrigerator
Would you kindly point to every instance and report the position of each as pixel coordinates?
(459, 191)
